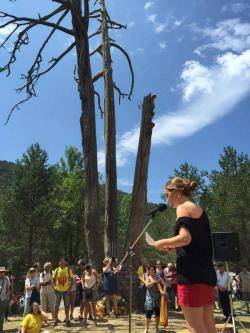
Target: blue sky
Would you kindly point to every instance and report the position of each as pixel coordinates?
(194, 55)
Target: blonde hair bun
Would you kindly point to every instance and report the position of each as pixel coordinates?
(185, 186)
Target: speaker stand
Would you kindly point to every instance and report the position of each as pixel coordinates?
(232, 314)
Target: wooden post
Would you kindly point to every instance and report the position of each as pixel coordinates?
(139, 194)
(93, 228)
(110, 231)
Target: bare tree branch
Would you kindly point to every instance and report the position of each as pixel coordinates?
(40, 20)
(130, 67)
(33, 72)
(30, 87)
(95, 13)
(99, 103)
(23, 38)
(99, 48)
(97, 76)
(98, 32)
(75, 76)
(121, 94)
(63, 2)
(115, 25)
(16, 106)
(9, 36)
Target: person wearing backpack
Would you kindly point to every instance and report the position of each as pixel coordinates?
(4, 295)
(62, 278)
(47, 290)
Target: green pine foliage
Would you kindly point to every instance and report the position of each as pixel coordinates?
(42, 207)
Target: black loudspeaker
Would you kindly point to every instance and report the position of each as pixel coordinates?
(226, 246)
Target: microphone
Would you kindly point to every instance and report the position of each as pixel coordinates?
(160, 208)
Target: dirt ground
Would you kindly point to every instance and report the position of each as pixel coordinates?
(120, 325)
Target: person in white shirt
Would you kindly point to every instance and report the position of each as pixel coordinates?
(47, 291)
(4, 295)
(223, 292)
(32, 286)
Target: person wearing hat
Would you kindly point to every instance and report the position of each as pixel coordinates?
(4, 295)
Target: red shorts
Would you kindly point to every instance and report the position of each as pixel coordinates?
(195, 295)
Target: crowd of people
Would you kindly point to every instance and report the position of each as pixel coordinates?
(45, 290)
(165, 278)
(192, 282)
(82, 285)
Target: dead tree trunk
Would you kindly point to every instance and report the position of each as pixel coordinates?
(139, 194)
(93, 228)
(110, 246)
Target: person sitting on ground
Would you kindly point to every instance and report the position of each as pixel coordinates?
(152, 302)
(62, 278)
(110, 283)
(32, 322)
(47, 290)
(32, 286)
(90, 282)
(73, 291)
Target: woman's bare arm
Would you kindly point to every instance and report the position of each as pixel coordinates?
(182, 239)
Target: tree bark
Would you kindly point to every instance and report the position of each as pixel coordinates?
(110, 241)
(139, 194)
(93, 228)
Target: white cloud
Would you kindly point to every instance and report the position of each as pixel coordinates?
(170, 22)
(4, 32)
(158, 26)
(196, 78)
(131, 24)
(228, 35)
(178, 23)
(124, 182)
(209, 93)
(140, 49)
(152, 18)
(163, 45)
(236, 7)
(148, 5)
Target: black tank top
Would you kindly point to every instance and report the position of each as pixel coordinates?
(194, 262)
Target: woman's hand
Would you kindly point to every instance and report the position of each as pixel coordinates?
(158, 245)
(169, 249)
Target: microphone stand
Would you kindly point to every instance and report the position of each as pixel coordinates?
(130, 253)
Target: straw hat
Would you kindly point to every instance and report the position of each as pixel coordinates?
(2, 269)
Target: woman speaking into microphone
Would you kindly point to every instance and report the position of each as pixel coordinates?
(196, 277)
